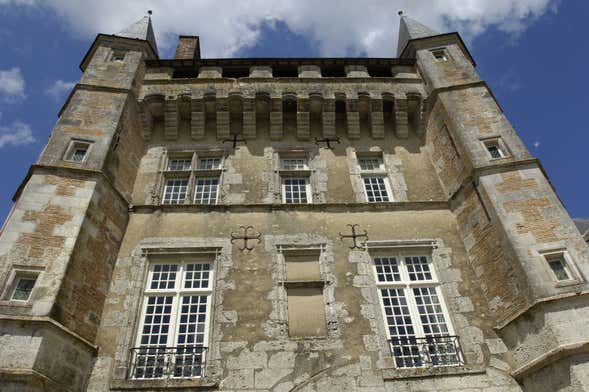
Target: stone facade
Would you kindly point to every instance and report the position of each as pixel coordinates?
(183, 164)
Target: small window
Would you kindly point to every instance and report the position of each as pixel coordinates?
(293, 164)
(370, 163)
(495, 148)
(23, 287)
(179, 164)
(77, 151)
(118, 55)
(209, 164)
(440, 55)
(559, 266)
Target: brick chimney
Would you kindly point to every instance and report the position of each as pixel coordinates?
(188, 47)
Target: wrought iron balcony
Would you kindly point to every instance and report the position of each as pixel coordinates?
(412, 352)
(167, 362)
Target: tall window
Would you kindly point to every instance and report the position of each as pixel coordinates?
(186, 182)
(295, 177)
(172, 338)
(416, 319)
(375, 179)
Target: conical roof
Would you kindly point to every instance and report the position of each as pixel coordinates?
(410, 29)
(142, 29)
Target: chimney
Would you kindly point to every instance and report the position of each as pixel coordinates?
(188, 47)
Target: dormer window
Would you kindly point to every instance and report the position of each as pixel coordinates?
(440, 55)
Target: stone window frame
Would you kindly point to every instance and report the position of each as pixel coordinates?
(407, 285)
(193, 173)
(277, 325)
(392, 171)
(133, 293)
(316, 173)
(445, 55)
(498, 142)
(545, 251)
(74, 145)
(17, 272)
(116, 54)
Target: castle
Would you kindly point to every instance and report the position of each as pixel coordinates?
(289, 224)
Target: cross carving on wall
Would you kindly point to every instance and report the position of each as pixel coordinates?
(354, 236)
(246, 237)
(328, 141)
(235, 140)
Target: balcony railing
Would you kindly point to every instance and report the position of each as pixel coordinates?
(412, 352)
(167, 362)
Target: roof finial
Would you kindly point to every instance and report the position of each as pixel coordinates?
(149, 12)
(400, 13)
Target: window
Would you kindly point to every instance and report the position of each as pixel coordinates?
(206, 190)
(118, 55)
(495, 148)
(560, 266)
(23, 287)
(173, 334)
(440, 55)
(77, 151)
(416, 319)
(179, 164)
(295, 175)
(175, 191)
(185, 182)
(374, 178)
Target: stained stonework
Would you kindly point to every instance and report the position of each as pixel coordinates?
(289, 297)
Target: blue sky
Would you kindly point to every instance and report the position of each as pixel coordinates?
(535, 60)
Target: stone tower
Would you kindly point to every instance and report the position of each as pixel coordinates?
(289, 224)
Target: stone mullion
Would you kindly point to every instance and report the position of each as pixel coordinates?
(401, 117)
(376, 119)
(276, 127)
(197, 119)
(328, 118)
(223, 121)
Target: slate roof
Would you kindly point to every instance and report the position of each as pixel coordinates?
(583, 226)
(142, 29)
(410, 29)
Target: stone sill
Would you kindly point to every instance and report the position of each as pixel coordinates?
(167, 384)
(400, 374)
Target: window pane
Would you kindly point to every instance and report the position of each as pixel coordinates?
(418, 268)
(23, 289)
(400, 326)
(205, 191)
(294, 164)
(150, 360)
(191, 336)
(295, 190)
(180, 164)
(495, 151)
(376, 190)
(369, 163)
(558, 267)
(209, 163)
(197, 276)
(163, 276)
(387, 269)
(79, 154)
(175, 191)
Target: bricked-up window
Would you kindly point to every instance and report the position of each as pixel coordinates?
(295, 178)
(416, 319)
(23, 287)
(173, 333)
(77, 151)
(374, 177)
(440, 55)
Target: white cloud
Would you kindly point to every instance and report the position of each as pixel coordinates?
(339, 27)
(536, 144)
(16, 134)
(60, 88)
(12, 85)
